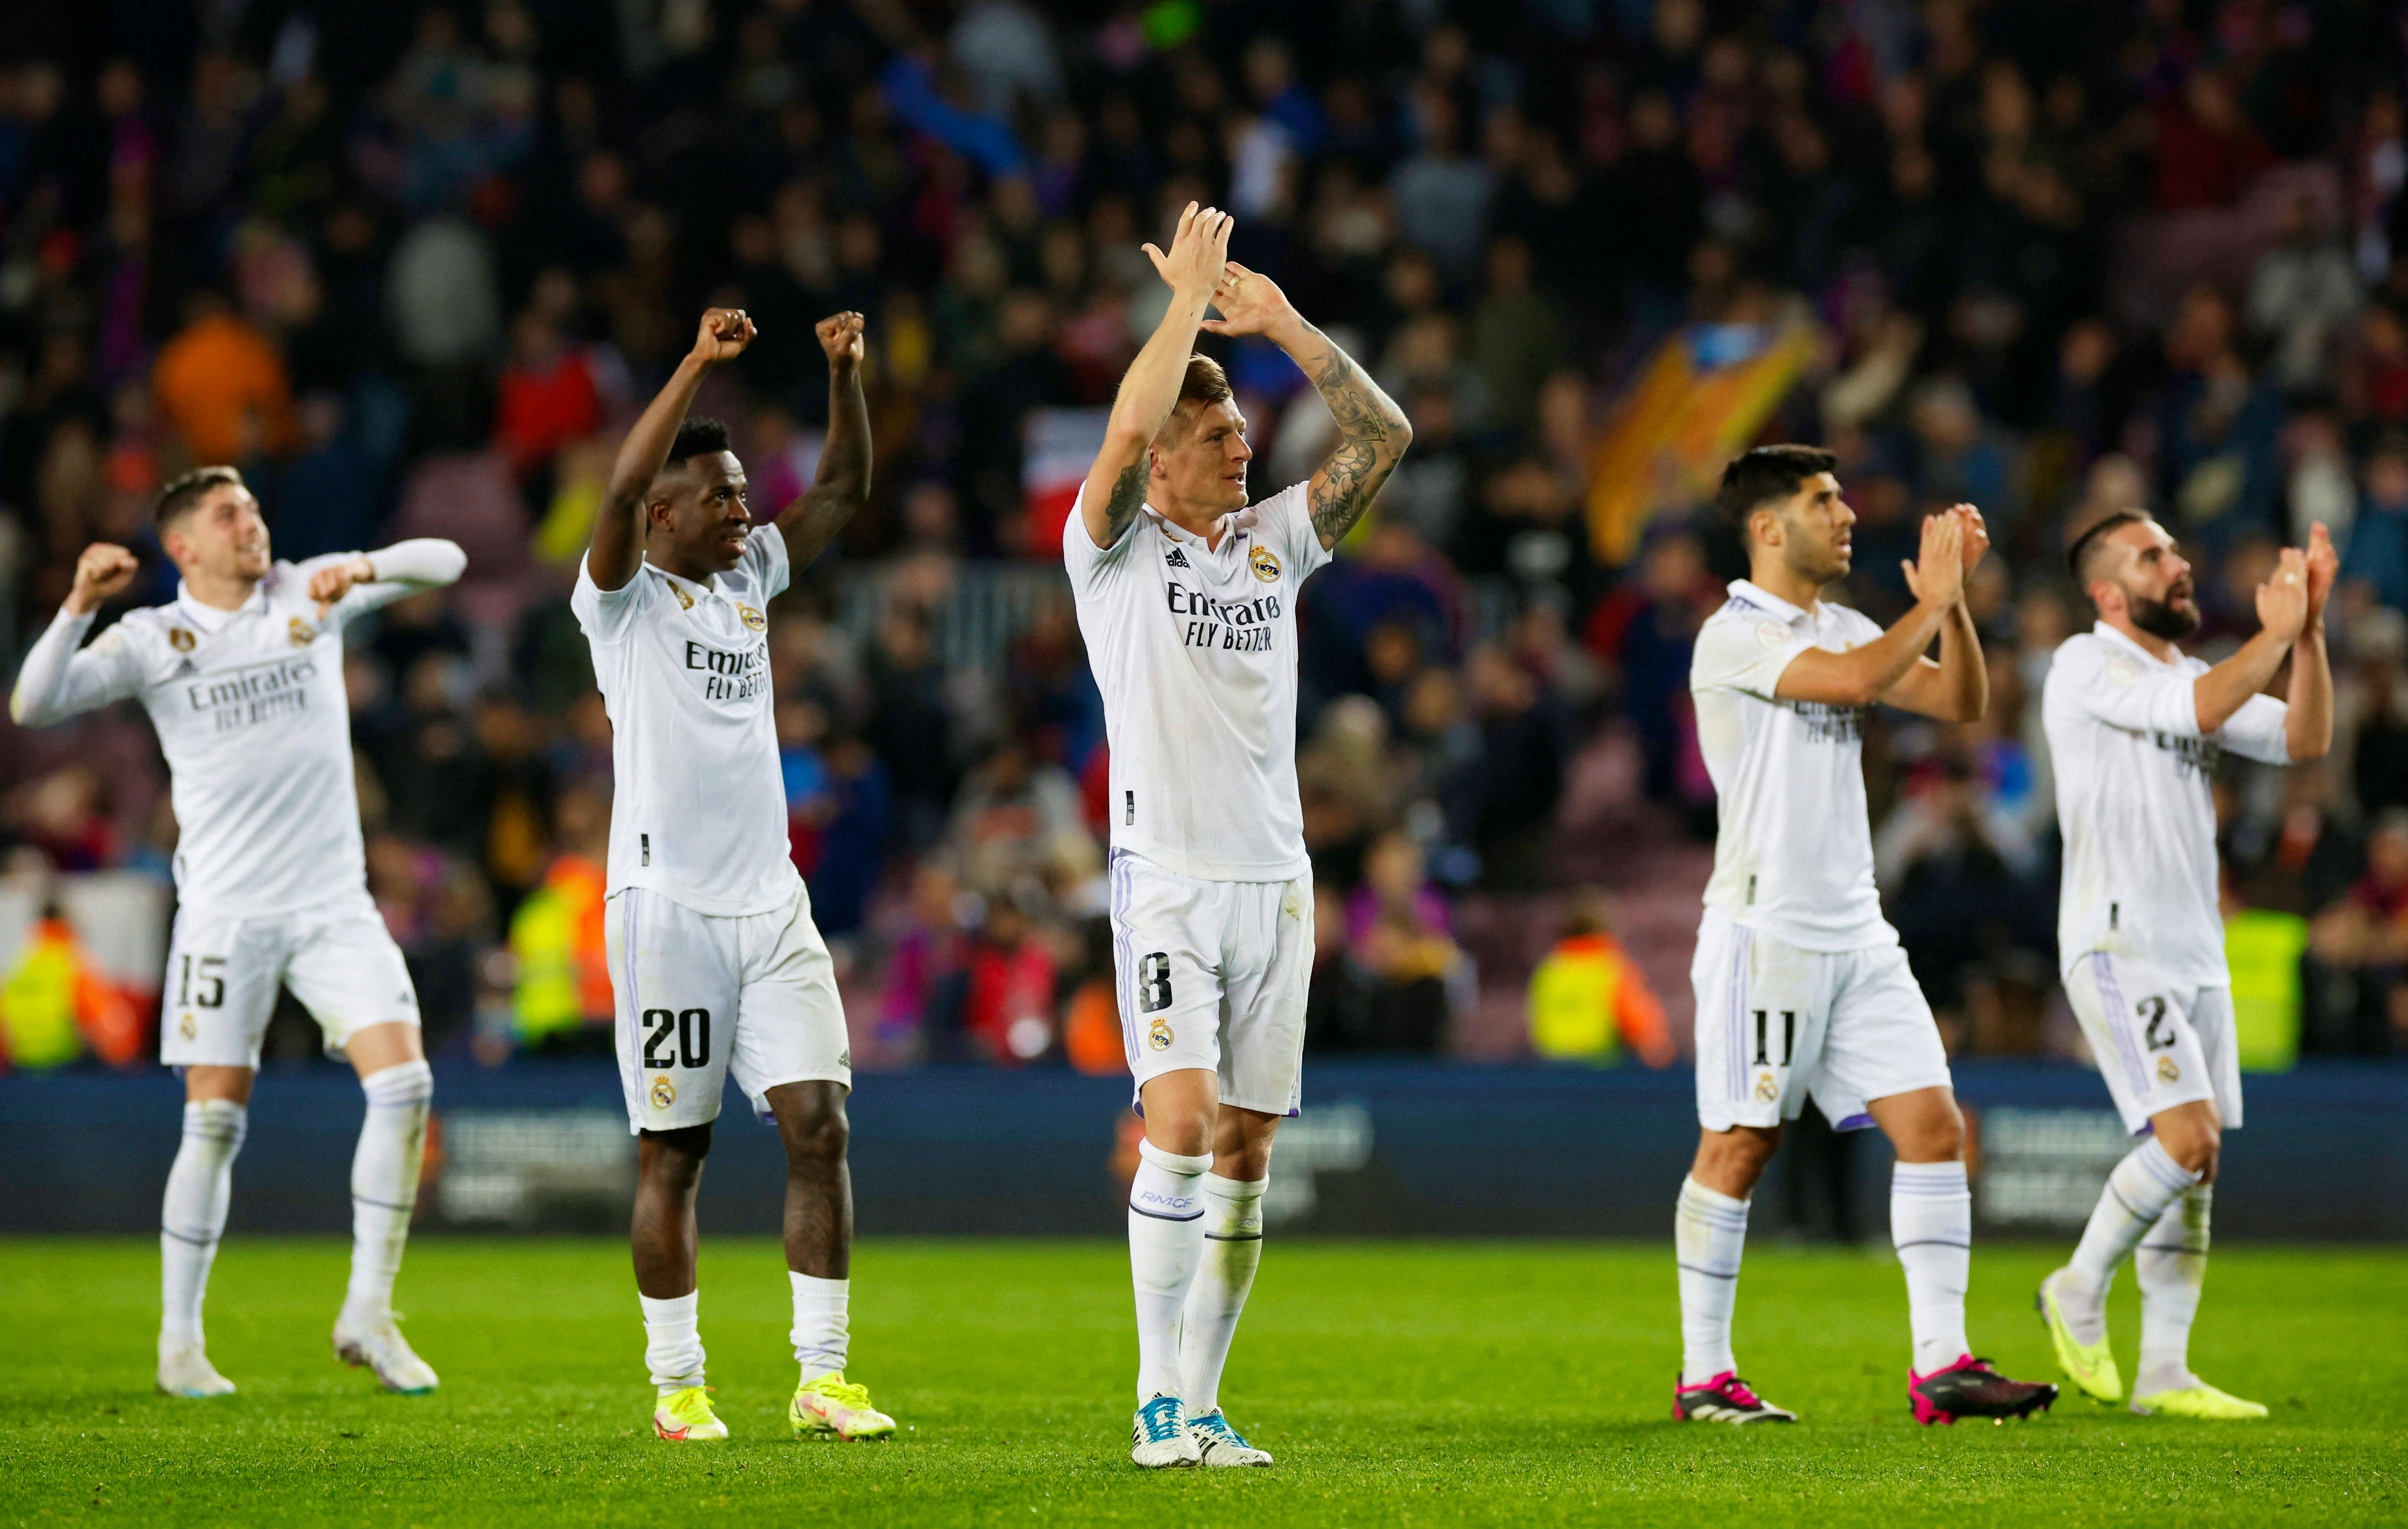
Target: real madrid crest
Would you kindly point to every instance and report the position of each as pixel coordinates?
(180, 639)
(664, 1094)
(1264, 565)
(753, 620)
(299, 633)
(185, 1027)
(1766, 1089)
(1158, 1033)
(2166, 1071)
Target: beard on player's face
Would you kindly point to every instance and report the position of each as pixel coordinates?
(2174, 618)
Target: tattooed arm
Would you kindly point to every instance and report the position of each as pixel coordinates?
(842, 485)
(1116, 483)
(1372, 432)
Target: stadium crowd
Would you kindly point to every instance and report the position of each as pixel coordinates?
(414, 271)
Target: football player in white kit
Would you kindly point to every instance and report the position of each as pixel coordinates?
(715, 964)
(2135, 726)
(1186, 597)
(242, 674)
(1802, 986)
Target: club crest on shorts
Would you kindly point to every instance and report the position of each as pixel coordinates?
(2166, 1071)
(1264, 565)
(1767, 1090)
(180, 639)
(1157, 1035)
(664, 1094)
(185, 1027)
(754, 621)
(298, 631)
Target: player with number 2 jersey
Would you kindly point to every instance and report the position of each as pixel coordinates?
(2135, 729)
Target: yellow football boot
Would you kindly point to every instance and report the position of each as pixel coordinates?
(831, 1407)
(2091, 1367)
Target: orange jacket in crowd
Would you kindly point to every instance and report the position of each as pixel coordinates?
(225, 389)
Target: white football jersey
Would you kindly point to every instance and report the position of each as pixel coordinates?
(2134, 804)
(698, 809)
(1793, 853)
(1194, 651)
(250, 712)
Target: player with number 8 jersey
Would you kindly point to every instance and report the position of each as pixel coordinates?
(1186, 597)
(716, 968)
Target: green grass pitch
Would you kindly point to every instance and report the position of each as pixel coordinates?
(1418, 1383)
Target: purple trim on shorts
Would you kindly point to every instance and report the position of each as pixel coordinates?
(1735, 1063)
(1859, 1122)
(2111, 995)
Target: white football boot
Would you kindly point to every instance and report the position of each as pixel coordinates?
(185, 1370)
(1158, 1438)
(377, 1346)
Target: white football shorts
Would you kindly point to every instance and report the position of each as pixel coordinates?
(700, 997)
(1776, 1024)
(222, 974)
(1214, 975)
(2157, 1044)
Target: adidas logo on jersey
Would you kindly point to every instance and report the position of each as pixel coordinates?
(1178, 559)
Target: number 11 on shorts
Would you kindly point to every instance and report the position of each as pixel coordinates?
(1768, 1088)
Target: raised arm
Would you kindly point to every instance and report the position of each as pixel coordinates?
(56, 682)
(387, 574)
(1115, 487)
(842, 485)
(618, 549)
(1862, 676)
(2282, 619)
(2308, 724)
(1372, 432)
(1958, 687)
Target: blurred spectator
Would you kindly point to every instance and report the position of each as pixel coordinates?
(223, 386)
(1588, 1000)
(54, 1003)
(562, 994)
(1401, 943)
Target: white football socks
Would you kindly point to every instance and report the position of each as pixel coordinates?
(2138, 1191)
(1233, 1246)
(819, 1323)
(385, 1184)
(193, 1215)
(1932, 1224)
(1166, 1227)
(672, 1341)
(2172, 1266)
(1709, 1233)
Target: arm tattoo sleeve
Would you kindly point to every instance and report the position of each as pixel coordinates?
(1128, 497)
(1351, 478)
